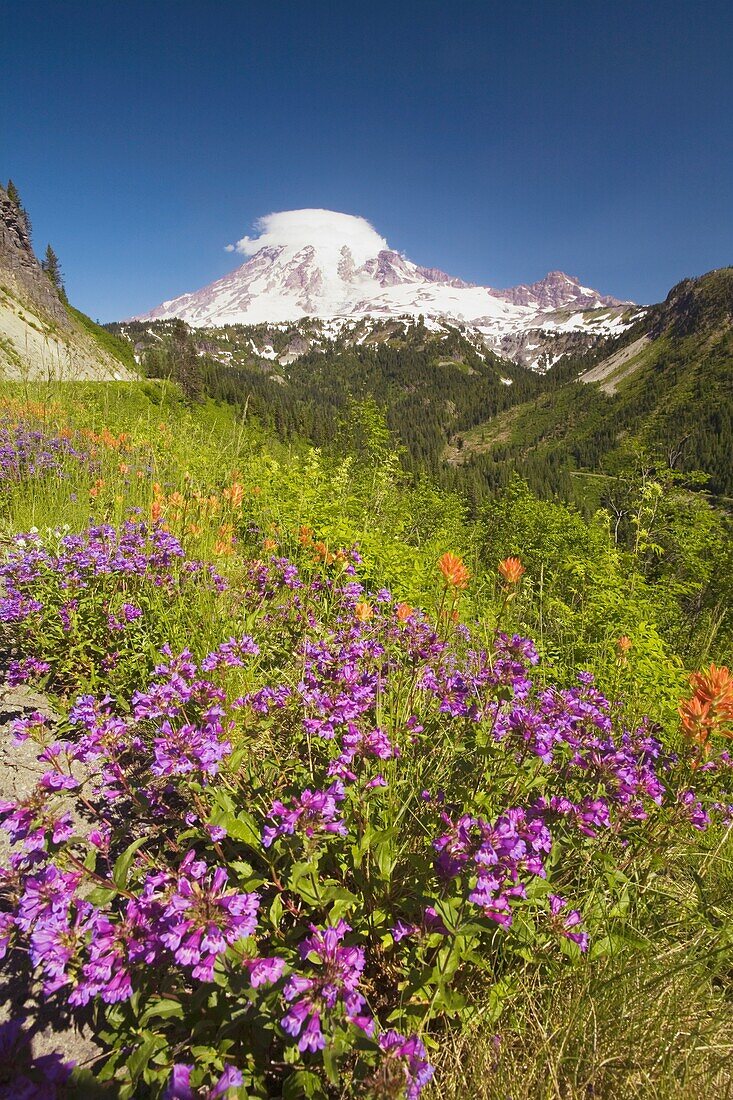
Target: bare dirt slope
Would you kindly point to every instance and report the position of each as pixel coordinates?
(609, 372)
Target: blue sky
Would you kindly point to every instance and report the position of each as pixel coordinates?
(497, 141)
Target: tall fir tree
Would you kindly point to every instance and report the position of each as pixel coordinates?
(187, 366)
(52, 267)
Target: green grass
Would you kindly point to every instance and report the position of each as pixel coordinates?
(113, 345)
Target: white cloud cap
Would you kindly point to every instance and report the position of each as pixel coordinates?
(325, 230)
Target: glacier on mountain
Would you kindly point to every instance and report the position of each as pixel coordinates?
(335, 266)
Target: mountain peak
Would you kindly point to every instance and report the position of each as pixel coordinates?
(558, 290)
(335, 266)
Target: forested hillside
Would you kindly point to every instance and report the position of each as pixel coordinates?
(671, 396)
(660, 393)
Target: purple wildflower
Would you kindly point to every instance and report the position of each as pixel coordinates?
(565, 922)
(203, 918)
(334, 984)
(311, 813)
(404, 1069)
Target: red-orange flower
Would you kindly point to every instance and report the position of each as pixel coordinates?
(404, 612)
(322, 553)
(269, 544)
(455, 572)
(695, 717)
(710, 710)
(511, 570)
(363, 612)
(624, 644)
(715, 687)
(234, 494)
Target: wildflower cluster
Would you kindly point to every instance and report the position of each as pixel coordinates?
(191, 511)
(74, 603)
(293, 858)
(709, 710)
(27, 452)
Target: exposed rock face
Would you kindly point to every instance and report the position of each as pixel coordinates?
(557, 291)
(39, 337)
(20, 268)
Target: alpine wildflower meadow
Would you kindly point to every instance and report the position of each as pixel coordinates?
(313, 813)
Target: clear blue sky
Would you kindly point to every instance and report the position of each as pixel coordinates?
(497, 141)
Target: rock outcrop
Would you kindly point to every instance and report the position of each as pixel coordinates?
(39, 337)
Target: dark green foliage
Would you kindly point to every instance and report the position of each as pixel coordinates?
(177, 358)
(677, 400)
(51, 265)
(431, 386)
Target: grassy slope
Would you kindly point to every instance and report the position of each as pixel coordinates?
(113, 345)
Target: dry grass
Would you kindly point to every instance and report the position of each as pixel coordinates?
(651, 1033)
(651, 1022)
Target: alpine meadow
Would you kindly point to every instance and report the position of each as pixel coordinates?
(366, 637)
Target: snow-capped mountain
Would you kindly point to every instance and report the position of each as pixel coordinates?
(319, 263)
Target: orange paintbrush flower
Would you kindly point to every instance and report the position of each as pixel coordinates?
(623, 645)
(269, 544)
(404, 612)
(710, 710)
(511, 570)
(234, 494)
(455, 572)
(695, 718)
(715, 686)
(363, 612)
(224, 544)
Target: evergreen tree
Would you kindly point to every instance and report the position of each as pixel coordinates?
(52, 267)
(14, 195)
(185, 362)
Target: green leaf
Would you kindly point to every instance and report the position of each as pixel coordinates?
(330, 1065)
(100, 896)
(163, 1009)
(139, 1059)
(123, 862)
(303, 1083)
(241, 826)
